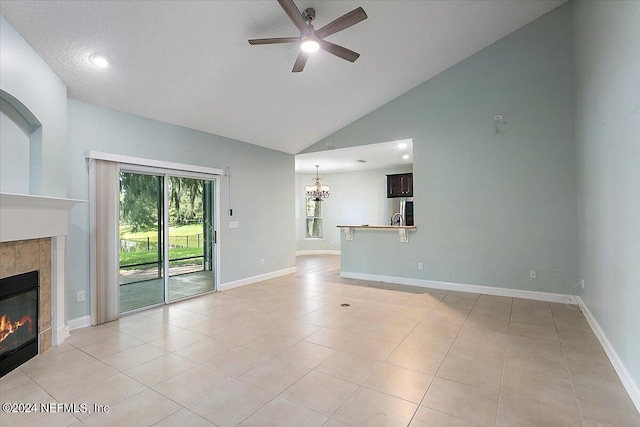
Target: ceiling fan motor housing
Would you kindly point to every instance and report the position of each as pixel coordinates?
(309, 14)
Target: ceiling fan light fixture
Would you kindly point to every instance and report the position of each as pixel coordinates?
(311, 40)
(309, 45)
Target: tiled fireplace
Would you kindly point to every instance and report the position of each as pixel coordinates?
(26, 256)
(19, 320)
(32, 240)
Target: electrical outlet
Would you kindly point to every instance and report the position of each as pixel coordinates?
(262, 261)
(80, 296)
(420, 266)
(532, 274)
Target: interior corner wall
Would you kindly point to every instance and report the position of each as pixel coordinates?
(26, 77)
(356, 198)
(607, 42)
(266, 218)
(490, 205)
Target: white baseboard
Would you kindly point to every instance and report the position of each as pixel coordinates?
(476, 289)
(258, 278)
(627, 380)
(318, 252)
(61, 334)
(79, 322)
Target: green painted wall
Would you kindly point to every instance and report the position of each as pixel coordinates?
(265, 218)
(607, 47)
(69, 128)
(26, 77)
(489, 207)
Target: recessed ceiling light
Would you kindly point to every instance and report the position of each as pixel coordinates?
(310, 45)
(100, 59)
(406, 157)
(402, 145)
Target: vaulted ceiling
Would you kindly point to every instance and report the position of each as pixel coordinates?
(189, 62)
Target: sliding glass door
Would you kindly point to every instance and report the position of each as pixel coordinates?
(141, 240)
(167, 244)
(190, 237)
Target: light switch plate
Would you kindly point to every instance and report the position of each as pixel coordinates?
(233, 224)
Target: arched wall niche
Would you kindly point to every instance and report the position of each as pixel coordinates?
(20, 147)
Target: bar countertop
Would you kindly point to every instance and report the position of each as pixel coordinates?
(401, 229)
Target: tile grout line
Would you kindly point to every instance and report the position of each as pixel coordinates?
(564, 357)
(504, 361)
(435, 375)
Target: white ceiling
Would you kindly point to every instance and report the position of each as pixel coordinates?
(189, 62)
(376, 156)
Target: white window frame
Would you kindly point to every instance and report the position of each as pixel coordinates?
(307, 218)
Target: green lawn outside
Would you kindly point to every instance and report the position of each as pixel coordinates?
(182, 230)
(129, 258)
(182, 235)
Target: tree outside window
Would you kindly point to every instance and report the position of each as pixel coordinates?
(314, 219)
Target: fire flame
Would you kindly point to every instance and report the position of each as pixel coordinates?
(7, 327)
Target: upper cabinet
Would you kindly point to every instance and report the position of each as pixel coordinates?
(400, 185)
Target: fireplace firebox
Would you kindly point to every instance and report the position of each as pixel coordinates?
(18, 320)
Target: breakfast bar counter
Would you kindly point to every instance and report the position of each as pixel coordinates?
(401, 229)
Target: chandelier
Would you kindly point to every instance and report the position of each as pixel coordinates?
(317, 192)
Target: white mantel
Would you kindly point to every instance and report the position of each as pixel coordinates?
(25, 217)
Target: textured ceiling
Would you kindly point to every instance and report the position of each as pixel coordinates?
(189, 63)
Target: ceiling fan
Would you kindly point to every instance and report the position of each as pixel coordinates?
(311, 39)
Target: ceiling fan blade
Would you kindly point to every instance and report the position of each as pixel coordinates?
(339, 51)
(294, 14)
(301, 61)
(274, 40)
(345, 21)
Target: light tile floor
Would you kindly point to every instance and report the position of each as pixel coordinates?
(284, 352)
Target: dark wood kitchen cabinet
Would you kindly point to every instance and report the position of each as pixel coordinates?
(400, 185)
